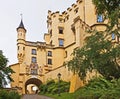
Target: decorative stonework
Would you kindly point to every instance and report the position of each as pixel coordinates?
(34, 69)
(20, 57)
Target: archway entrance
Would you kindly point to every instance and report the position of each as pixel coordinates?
(32, 85)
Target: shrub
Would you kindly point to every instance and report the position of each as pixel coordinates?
(13, 95)
(9, 95)
(3, 94)
(43, 88)
(52, 87)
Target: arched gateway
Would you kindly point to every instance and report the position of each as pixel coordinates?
(32, 81)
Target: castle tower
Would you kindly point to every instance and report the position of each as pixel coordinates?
(21, 39)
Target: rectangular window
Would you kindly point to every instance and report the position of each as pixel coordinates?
(61, 42)
(50, 61)
(18, 47)
(76, 10)
(34, 60)
(51, 42)
(60, 20)
(66, 18)
(49, 53)
(60, 30)
(99, 18)
(34, 51)
(23, 48)
(113, 36)
(66, 54)
(50, 32)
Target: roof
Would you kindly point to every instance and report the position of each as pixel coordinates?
(21, 25)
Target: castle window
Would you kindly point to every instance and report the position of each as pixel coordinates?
(66, 54)
(34, 51)
(113, 36)
(18, 47)
(66, 18)
(61, 42)
(74, 31)
(23, 48)
(49, 53)
(99, 18)
(60, 20)
(60, 30)
(51, 42)
(76, 10)
(34, 60)
(50, 61)
(50, 32)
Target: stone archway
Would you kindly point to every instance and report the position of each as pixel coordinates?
(34, 81)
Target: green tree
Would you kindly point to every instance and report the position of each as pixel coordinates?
(99, 52)
(5, 71)
(110, 9)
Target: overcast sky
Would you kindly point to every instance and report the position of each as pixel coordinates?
(34, 19)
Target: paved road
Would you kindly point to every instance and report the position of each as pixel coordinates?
(34, 96)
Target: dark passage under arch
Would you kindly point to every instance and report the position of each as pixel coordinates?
(35, 81)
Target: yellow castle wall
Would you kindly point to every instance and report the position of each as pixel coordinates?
(15, 76)
(79, 17)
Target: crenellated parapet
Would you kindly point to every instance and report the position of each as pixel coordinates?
(57, 21)
(61, 16)
(57, 13)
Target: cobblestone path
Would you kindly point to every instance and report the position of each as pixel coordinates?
(34, 96)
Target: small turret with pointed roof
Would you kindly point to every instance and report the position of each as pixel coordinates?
(21, 41)
(21, 26)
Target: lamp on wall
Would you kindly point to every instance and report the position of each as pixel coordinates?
(59, 76)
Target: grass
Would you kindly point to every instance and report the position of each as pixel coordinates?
(81, 92)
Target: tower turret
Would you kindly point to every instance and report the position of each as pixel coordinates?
(21, 39)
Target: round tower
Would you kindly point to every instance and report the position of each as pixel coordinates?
(21, 39)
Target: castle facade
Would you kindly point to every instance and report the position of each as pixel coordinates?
(41, 61)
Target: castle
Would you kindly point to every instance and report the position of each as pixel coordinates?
(41, 61)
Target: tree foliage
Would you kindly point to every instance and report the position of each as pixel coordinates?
(99, 52)
(5, 71)
(110, 9)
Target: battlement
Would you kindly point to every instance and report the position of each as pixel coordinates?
(65, 13)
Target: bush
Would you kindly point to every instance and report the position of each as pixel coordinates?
(100, 88)
(43, 88)
(13, 95)
(3, 94)
(52, 87)
(9, 95)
